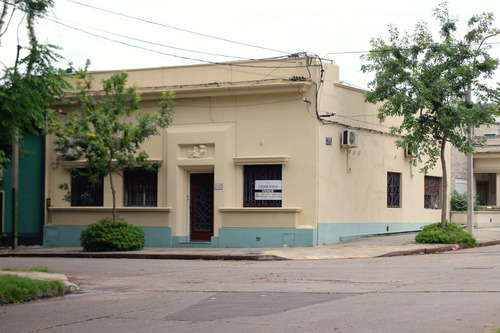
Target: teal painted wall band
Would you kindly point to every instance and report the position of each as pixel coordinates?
(266, 237)
(335, 232)
(158, 236)
(64, 235)
(246, 237)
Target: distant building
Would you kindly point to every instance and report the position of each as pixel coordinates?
(264, 153)
(486, 170)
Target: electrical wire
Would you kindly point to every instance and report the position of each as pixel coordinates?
(175, 55)
(160, 52)
(282, 79)
(332, 122)
(176, 28)
(149, 42)
(391, 50)
(238, 105)
(362, 121)
(357, 115)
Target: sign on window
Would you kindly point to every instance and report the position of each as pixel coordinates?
(268, 190)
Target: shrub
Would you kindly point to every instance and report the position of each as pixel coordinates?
(109, 235)
(451, 234)
(459, 201)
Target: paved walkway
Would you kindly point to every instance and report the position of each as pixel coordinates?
(388, 245)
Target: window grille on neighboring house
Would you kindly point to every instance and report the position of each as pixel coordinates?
(253, 173)
(432, 190)
(393, 190)
(86, 193)
(141, 187)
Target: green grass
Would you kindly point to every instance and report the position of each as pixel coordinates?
(18, 289)
(33, 269)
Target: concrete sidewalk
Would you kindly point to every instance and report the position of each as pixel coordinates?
(387, 245)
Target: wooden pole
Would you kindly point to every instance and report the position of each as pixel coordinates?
(470, 181)
(15, 186)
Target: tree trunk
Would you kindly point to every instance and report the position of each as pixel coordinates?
(15, 187)
(113, 192)
(444, 197)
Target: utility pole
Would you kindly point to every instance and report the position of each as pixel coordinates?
(15, 186)
(470, 180)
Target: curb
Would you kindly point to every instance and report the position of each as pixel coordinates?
(234, 257)
(438, 249)
(69, 287)
(128, 255)
(431, 250)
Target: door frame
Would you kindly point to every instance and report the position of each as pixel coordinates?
(205, 236)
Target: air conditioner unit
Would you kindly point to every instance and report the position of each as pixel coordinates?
(349, 139)
(68, 152)
(411, 152)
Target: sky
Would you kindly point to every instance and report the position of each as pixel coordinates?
(127, 34)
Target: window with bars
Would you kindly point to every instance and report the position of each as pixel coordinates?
(393, 190)
(432, 190)
(253, 195)
(140, 187)
(84, 192)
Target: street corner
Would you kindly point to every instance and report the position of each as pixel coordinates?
(69, 287)
(322, 253)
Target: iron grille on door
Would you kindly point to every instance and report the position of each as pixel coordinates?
(259, 172)
(203, 204)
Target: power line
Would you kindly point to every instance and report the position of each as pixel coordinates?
(361, 121)
(390, 49)
(170, 54)
(153, 43)
(239, 105)
(176, 28)
(159, 52)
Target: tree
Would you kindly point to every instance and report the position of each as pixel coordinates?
(26, 90)
(102, 130)
(29, 86)
(427, 84)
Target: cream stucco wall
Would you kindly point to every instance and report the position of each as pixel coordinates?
(259, 112)
(353, 182)
(251, 112)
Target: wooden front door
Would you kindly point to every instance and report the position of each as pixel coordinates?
(202, 206)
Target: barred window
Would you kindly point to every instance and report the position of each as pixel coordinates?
(255, 192)
(432, 190)
(140, 187)
(84, 192)
(393, 190)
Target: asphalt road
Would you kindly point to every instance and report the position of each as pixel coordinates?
(450, 292)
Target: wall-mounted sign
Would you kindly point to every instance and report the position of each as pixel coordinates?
(268, 190)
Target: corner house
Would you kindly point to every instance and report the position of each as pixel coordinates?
(265, 153)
